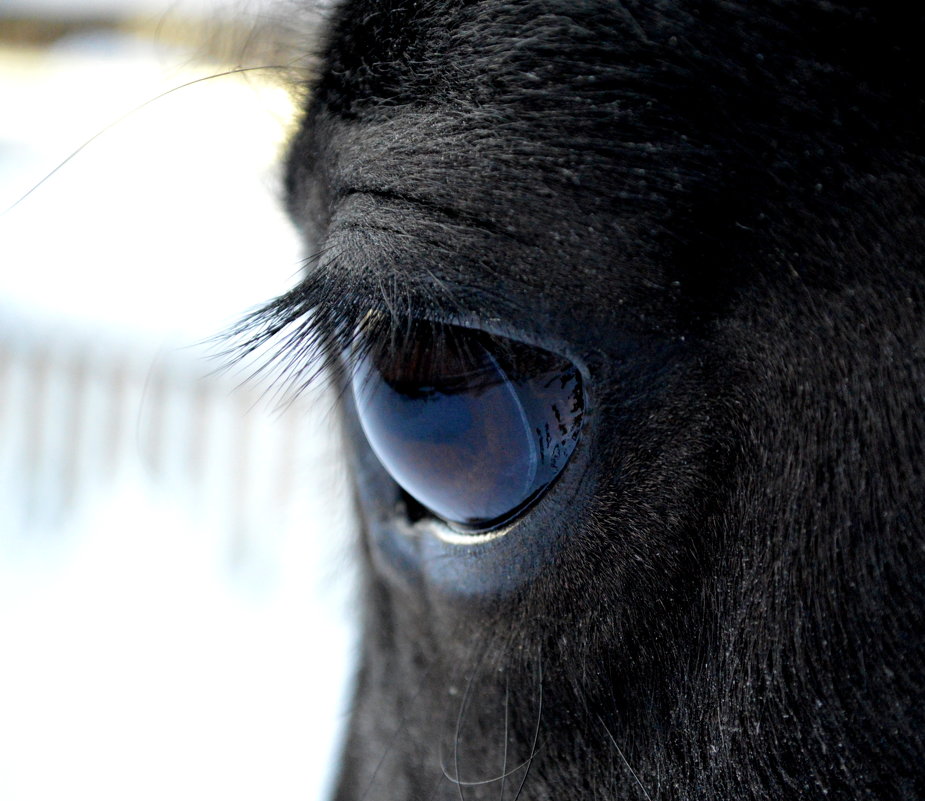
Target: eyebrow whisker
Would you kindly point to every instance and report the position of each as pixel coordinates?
(132, 112)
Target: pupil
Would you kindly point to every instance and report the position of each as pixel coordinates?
(474, 427)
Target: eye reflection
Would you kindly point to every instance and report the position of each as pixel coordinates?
(474, 427)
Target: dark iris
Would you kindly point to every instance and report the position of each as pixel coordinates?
(473, 426)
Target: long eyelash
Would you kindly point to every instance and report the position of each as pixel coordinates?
(318, 332)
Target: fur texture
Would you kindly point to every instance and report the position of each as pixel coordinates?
(716, 209)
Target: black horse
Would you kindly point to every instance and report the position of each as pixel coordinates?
(624, 300)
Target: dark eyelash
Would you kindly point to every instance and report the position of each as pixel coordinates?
(320, 330)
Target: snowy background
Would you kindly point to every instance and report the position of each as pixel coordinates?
(175, 573)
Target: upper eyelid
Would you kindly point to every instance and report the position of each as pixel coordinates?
(358, 269)
(432, 211)
(306, 332)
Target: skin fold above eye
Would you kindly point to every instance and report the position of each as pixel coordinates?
(473, 427)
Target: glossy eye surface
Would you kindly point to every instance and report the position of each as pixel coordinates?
(473, 426)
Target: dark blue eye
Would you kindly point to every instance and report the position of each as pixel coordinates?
(474, 427)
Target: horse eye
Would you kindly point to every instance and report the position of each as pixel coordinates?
(474, 427)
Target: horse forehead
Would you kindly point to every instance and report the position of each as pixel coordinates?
(570, 99)
(394, 52)
(646, 133)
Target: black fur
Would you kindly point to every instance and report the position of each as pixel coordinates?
(716, 209)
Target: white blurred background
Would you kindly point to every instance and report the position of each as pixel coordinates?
(174, 559)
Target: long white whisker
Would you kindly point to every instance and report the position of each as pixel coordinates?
(625, 762)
